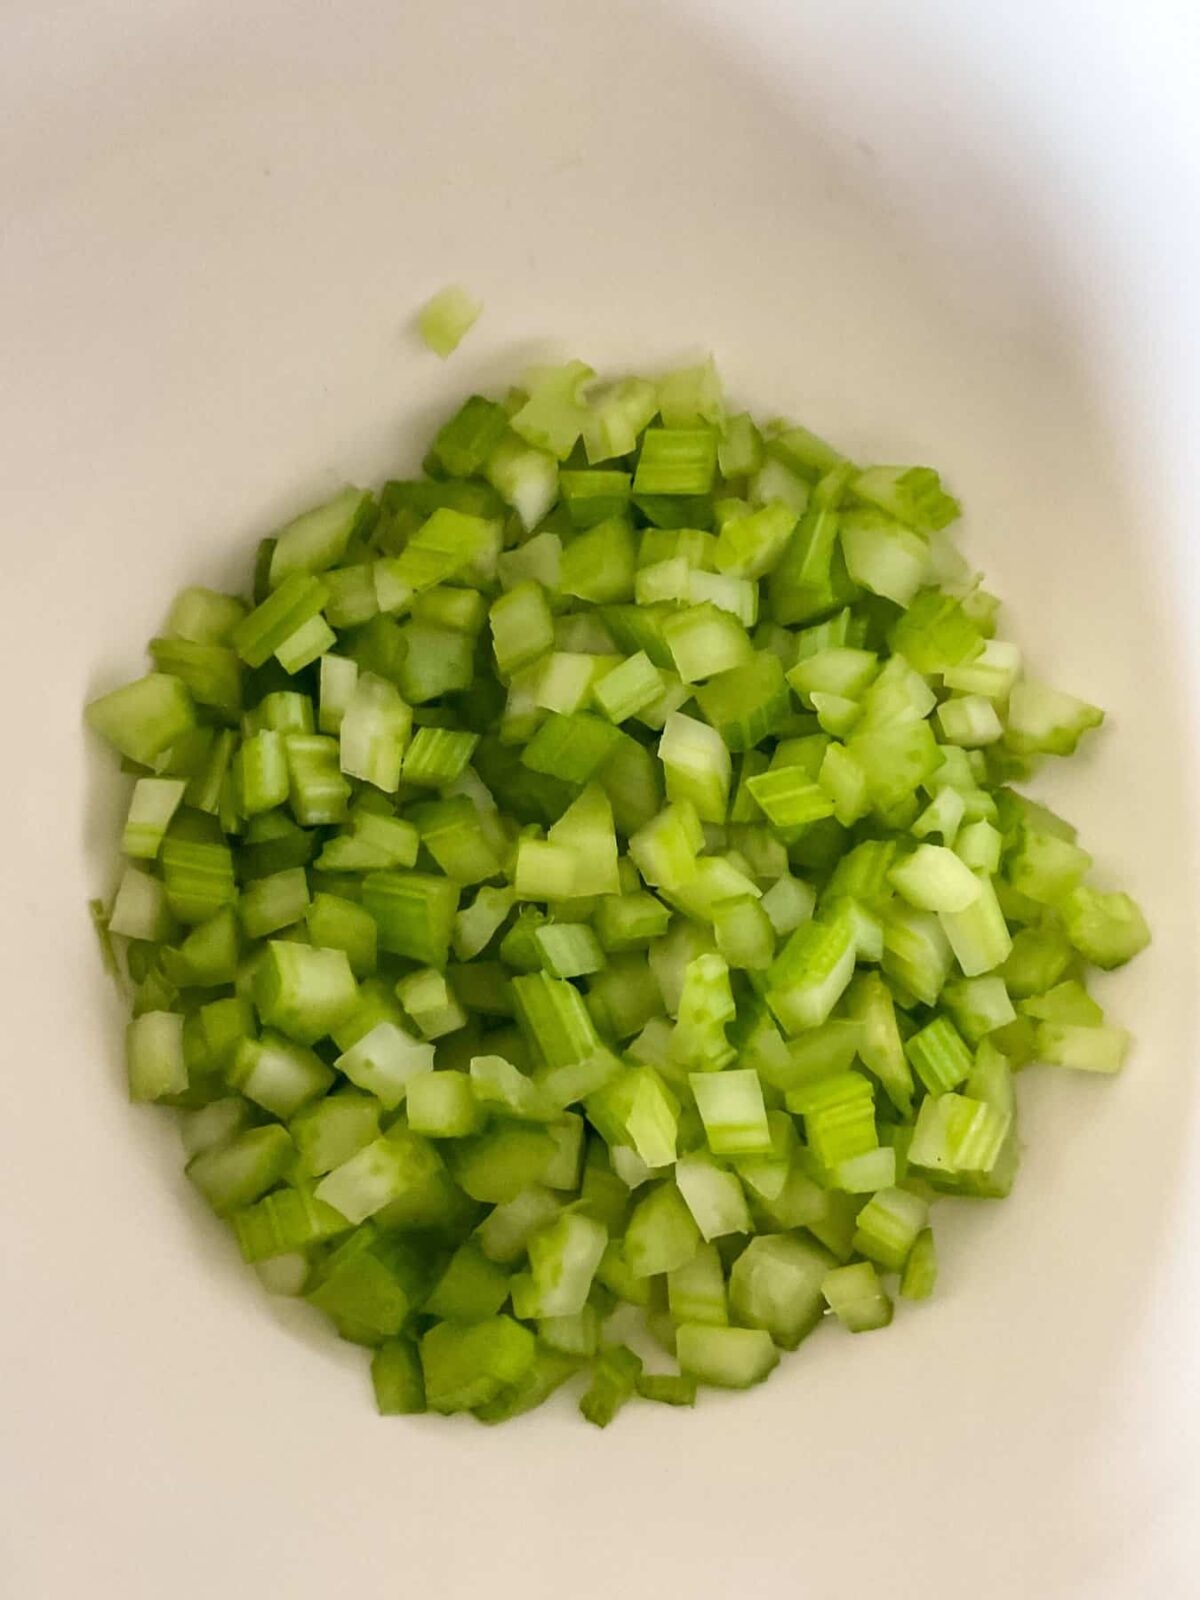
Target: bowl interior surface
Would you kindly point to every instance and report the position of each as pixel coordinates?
(911, 228)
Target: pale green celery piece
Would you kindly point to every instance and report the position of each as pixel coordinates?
(882, 555)
(933, 878)
(697, 766)
(525, 478)
(1106, 929)
(445, 320)
(151, 806)
(728, 1358)
(970, 721)
(920, 1271)
(1042, 719)
(317, 539)
(696, 1290)
(553, 416)
(732, 1110)
(788, 903)
(993, 672)
(1098, 1047)
(943, 815)
(775, 1285)
(857, 1298)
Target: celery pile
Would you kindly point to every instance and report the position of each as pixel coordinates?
(580, 905)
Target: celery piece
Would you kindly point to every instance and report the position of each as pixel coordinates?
(444, 321)
(727, 1358)
(1106, 929)
(144, 718)
(414, 914)
(857, 1298)
(775, 1285)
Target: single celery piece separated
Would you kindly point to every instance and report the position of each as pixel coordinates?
(577, 893)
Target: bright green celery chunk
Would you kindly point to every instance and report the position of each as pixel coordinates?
(569, 950)
(696, 1290)
(810, 973)
(197, 867)
(443, 1105)
(727, 1358)
(617, 414)
(331, 1130)
(368, 1286)
(593, 496)
(317, 791)
(431, 1003)
(629, 688)
(661, 1234)
(810, 578)
(857, 1298)
(882, 556)
(278, 1074)
(775, 1285)
(143, 719)
(414, 914)
(374, 733)
(1087, 1047)
(790, 800)
(468, 1366)
(570, 747)
(697, 766)
(916, 952)
(204, 616)
(455, 834)
(398, 1380)
(433, 661)
(384, 1060)
(933, 878)
(274, 902)
(211, 672)
(839, 1116)
(978, 934)
(1042, 719)
(562, 1263)
(704, 640)
(451, 544)
(553, 415)
(471, 1289)
(615, 1374)
(713, 1195)
(598, 565)
(290, 1219)
(524, 477)
(151, 806)
(920, 1270)
(447, 318)
(1106, 929)
(913, 495)
(437, 756)
(401, 1167)
(303, 992)
(676, 461)
(667, 1388)
(154, 1056)
(955, 1133)
(239, 1171)
(746, 703)
(298, 599)
(261, 772)
(732, 1110)
(335, 923)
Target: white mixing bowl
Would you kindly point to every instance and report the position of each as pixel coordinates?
(944, 230)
